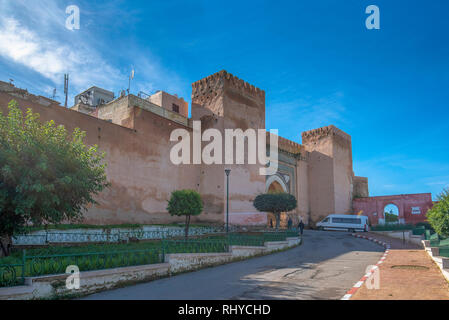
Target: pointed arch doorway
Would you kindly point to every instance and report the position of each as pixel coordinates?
(276, 184)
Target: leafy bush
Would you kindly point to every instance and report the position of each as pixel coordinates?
(438, 215)
(185, 203)
(46, 175)
(391, 217)
(275, 203)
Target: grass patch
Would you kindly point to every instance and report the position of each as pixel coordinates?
(410, 267)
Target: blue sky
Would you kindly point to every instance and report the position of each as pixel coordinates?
(317, 62)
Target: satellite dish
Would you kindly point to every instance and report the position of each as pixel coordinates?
(83, 99)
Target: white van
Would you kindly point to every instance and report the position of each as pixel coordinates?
(347, 222)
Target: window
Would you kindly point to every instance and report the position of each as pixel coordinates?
(175, 108)
(326, 220)
(347, 220)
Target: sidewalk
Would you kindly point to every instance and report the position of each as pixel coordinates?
(408, 273)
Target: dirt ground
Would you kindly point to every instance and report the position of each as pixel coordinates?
(408, 273)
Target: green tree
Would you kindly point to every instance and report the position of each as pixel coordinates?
(275, 203)
(390, 217)
(46, 175)
(438, 215)
(185, 203)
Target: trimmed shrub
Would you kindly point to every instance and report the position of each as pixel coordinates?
(275, 203)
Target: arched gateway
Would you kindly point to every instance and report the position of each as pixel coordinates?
(276, 183)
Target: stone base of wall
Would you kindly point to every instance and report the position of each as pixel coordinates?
(182, 262)
(54, 286)
(247, 251)
(406, 235)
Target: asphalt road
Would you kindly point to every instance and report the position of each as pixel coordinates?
(324, 267)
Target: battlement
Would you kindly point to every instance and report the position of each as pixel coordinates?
(211, 86)
(316, 134)
(286, 144)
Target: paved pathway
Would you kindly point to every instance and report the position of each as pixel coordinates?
(408, 273)
(324, 267)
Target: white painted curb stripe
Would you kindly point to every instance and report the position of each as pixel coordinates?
(358, 284)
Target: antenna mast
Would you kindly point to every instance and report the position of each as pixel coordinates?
(131, 77)
(66, 87)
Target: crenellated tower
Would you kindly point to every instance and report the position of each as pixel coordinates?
(223, 101)
(330, 171)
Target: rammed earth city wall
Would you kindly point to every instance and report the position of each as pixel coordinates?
(135, 135)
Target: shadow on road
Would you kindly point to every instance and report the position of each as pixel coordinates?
(323, 267)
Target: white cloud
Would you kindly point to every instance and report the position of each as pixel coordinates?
(24, 46)
(33, 34)
(52, 59)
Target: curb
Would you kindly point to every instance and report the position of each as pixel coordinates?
(359, 284)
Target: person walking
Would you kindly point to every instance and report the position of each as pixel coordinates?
(289, 223)
(301, 227)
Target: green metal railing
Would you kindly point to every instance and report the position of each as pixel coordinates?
(443, 245)
(195, 246)
(12, 275)
(54, 264)
(444, 251)
(439, 242)
(38, 265)
(260, 239)
(418, 231)
(434, 240)
(45, 264)
(241, 239)
(274, 236)
(444, 242)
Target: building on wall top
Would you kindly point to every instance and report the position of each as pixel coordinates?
(88, 100)
(94, 97)
(100, 103)
(170, 102)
